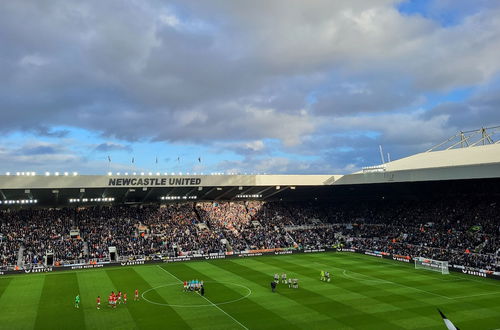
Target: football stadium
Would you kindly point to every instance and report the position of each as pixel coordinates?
(400, 245)
(264, 164)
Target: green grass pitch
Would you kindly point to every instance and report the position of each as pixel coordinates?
(365, 293)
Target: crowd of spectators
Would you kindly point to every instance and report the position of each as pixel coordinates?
(462, 231)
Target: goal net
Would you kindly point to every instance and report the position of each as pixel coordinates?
(430, 264)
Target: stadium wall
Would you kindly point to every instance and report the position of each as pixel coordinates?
(253, 253)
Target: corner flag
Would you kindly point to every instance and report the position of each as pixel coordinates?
(449, 325)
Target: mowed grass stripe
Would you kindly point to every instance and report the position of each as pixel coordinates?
(281, 305)
(374, 263)
(18, 302)
(244, 310)
(401, 305)
(146, 315)
(4, 283)
(381, 300)
(464, 310)
(285, 297)
(435, 282)
(376, 279)
(22, 296)
(56, 306)
(313, 290)
(195, 317)
(410, 297)
(423, 289)
(98, 283)
(309, 299)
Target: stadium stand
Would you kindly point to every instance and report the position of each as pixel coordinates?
(441, 204)
(465, 232)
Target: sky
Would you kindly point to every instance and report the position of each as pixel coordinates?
(225, 86)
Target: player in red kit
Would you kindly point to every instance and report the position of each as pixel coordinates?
(125, 298)
(113, 299)
(110, 300)
(136, 294)
(98, 302)
(119, 297)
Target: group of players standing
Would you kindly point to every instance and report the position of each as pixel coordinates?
(324, 276)
(292, 282)
(194, 285)
(116, 298)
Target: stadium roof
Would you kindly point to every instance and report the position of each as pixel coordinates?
(479, 162)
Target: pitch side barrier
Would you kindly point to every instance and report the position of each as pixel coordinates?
(249, 254)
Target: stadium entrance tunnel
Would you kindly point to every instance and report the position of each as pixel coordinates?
(216, 293)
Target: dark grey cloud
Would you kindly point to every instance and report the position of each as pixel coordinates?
(234, 72)
(110, 146)
(480, 110)
(39, 150)
(366, 96)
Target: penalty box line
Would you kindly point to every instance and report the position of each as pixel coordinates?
(387, 281)
(211, 303)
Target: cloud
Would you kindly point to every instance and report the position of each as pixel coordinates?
(38, 150)
(480, 110)
(111, 146)
(244, 148)
(230, 73)
(38, 156)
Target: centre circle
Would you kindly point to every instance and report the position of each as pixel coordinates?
(216, 293)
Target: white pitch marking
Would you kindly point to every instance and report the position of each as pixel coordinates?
(386, 261)
(223, 311)
(191, 306)
(395, 283)
(477, 295)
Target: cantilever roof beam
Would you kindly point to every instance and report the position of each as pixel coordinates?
(225, 193)
(486, 137)
(463, 139)
(275, 192)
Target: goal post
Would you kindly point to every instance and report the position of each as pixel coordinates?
(431, 264)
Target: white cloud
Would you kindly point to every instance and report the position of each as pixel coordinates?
(239, 73)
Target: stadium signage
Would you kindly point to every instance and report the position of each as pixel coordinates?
(374, 254)
(346, 250)
(38, 270)
(130, 263)
(474, 272)
(118, 182)
(314, 250)
(250, 254)
(215, 257)
(284, 252)
(87, 266)
(177, 259)
(401, 258)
